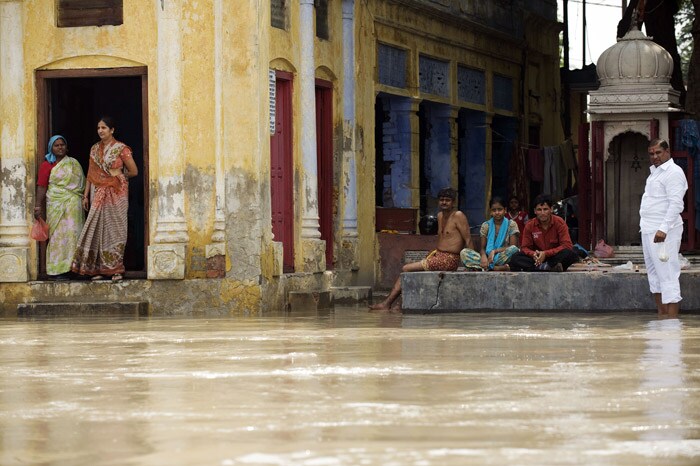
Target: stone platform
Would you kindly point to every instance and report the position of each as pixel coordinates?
(84, 309)
(610, 290)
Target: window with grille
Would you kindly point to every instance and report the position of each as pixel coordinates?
(75, 13)
(322, 19)
(279, 13)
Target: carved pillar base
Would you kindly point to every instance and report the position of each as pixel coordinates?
(347, 254)
(166, 262)
(13, 264)
(314, 254)
(215, 254)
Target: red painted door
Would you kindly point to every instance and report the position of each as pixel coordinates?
(597, 181)
(281, 170)
(324, 157)
(584, 188)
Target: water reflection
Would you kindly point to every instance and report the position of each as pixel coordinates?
(352, 388)
(663, 384)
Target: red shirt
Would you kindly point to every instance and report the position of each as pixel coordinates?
(44, 173)
(552, 241)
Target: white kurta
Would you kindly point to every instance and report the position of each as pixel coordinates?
(660, 210)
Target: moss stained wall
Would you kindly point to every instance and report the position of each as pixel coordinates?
(244, 110)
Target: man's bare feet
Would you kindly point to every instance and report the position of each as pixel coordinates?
(382, 307)
(501, 268)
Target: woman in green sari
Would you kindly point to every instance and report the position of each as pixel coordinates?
(58, 200)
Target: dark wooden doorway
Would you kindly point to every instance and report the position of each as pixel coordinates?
(281, 170)
(324, 157)
(70, 102)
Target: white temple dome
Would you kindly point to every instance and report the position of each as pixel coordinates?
(634, 59)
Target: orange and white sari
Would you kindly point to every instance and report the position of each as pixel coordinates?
(101, 244)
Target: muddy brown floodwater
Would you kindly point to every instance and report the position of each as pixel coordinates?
(352, 388)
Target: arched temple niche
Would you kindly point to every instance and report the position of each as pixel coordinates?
(626, 169)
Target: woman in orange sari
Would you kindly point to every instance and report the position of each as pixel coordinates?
(100, 250)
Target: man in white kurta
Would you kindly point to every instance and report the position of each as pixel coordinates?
(662, 227)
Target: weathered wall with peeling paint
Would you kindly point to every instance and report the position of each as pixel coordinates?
(228, 47)
(242, 128)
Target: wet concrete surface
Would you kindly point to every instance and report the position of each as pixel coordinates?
(350, 388)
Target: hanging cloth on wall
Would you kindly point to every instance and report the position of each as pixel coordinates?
(554, 172)
(535, 165)
(517, 176)
(568, 156)
(560, 173)
(549, 185)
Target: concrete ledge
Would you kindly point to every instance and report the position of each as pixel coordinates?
(351, 294)
(435, 292)
(111, 309)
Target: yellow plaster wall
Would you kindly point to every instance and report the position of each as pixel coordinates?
(246, 140)
(542, 80)
(134, 43)
(199, 131)
(47, 47)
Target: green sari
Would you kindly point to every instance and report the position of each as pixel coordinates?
(64, 214)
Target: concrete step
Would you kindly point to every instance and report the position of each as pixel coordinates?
(73, 309)
(352, 294)
(436, 292)
(305, 302)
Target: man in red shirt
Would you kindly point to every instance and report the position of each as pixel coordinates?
(545, 244)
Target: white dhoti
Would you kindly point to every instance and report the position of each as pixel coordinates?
(664, 277)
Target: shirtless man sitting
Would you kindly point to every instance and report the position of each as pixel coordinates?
(453, 236)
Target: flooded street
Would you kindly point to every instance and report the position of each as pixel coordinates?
(352, 388)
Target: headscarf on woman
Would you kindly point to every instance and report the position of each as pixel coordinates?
(51, 157)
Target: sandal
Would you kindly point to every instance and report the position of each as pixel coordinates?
(117, 277)
(97, 277)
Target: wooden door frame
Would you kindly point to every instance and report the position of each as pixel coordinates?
(43, 112)
(288, 184)
(326, 220)
(598, 227)
(584, 188)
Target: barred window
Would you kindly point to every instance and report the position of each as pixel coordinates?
(75, 13)
(279, 13)
(322, 19)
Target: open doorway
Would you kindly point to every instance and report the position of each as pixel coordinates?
(70, 102)
(626, 171)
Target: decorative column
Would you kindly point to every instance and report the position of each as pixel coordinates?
(14, 229)
(216, 251)
(348, 252)
(166, 258)
(313, 247)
